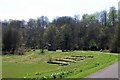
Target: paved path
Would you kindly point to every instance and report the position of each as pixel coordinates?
(109, 72)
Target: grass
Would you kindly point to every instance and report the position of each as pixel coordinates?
(34, 65)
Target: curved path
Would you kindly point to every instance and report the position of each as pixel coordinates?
(109, 72)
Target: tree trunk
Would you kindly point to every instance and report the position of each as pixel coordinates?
(42, 50)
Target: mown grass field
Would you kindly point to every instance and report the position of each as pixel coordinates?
(34, 64)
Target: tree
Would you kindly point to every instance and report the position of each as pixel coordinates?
(77, 18)
(11, 38)
(31, 41)
(115, 46)
(50, 37)
(32, 23)
(60, 21)
(93, 32)
(42, 21)
(103, 18)
(66, 38)
(36, 38)
(112, 16)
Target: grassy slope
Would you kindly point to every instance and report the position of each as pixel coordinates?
(34, 64)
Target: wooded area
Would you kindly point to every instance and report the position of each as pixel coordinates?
(97, 31)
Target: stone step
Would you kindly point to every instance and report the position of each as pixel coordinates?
(73, 58)
(58, 62)
(67, 60)
(78, 56)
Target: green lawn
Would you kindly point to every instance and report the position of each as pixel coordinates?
(34, 65)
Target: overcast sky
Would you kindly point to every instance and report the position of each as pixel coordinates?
(25, 9)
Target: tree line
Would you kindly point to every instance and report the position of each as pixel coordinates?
(97, 31)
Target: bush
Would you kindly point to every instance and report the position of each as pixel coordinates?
(44, 78)
(50, 60)
(80, 70)
(20, 51)
(93, 48)
(61, 76)
(37, 73)
(97, 64)
(54, 76)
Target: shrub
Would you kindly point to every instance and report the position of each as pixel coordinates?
(50, 60)
(20, 51)
(37, 73)
(61, 76)
(44, 78)
(97, 64)
(80, 70)
(54, 76)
